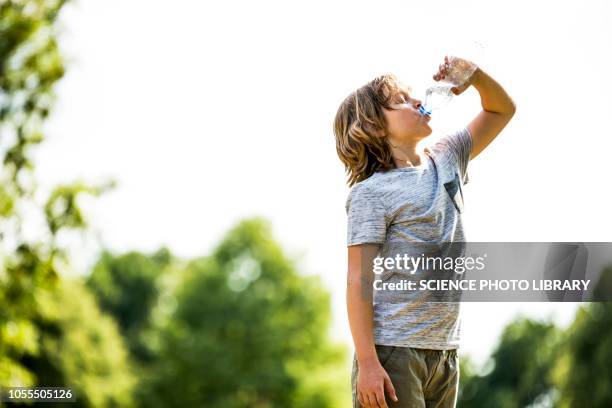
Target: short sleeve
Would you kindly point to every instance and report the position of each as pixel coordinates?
(366, 217)
(459, 147)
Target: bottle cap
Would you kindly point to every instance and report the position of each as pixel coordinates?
(424, 111)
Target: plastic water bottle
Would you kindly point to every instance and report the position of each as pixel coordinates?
(460, 70)
(436, 97)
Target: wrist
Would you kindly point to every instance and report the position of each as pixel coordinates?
(368, 361)
(477, 77)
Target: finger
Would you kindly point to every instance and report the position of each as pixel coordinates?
(360, 399)
(380, 398)
(371, 401)
(364, 400)
(374, 397)
(390, 389)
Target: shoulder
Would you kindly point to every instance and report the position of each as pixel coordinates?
(449, 139)
(366, 190)
(451, 144)
(360, 188)
(452, 152)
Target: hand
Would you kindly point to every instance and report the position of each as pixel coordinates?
(452, 70)
(372, 382)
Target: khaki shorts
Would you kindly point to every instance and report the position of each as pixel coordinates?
(422, 378)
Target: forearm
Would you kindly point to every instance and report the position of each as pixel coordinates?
(493, 97)
(360, 315)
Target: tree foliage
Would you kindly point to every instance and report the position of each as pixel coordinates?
(48, 326)
(583, 372)
(243, 328)
(519, 369)
(128, 287)
(80, 347)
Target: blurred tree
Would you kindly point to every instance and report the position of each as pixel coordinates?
(127, 287)
(519, 371)
(583, 371)
(244, 329)
(39, 346)
(80, 347)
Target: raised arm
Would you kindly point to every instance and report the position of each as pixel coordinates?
(497, 110)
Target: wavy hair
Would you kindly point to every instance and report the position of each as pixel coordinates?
(361, 131)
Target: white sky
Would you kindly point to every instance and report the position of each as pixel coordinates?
(208, 112)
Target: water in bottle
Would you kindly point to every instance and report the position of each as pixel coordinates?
(460, 70)
(436, 97)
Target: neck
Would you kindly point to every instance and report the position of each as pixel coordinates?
(405, 151)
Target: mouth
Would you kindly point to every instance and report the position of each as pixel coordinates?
(423, 111)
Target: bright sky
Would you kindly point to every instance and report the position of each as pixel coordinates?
(209, 112)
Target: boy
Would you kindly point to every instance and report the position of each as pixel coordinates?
(401, 197)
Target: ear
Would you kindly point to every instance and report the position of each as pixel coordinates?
(383, 133)
(380, 134)
(374, 132)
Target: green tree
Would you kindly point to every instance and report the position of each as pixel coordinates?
(583, 371)
(30, 64)
(127, 287)
(244, 329)
(80, 347)
(520, 368)
(47, 332)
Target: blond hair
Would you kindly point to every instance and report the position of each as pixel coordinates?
(360, 128)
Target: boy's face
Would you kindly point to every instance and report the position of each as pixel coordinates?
(405, 122)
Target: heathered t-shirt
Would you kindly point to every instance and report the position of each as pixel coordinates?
(404, 209)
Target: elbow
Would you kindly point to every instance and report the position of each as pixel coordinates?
(512, 108)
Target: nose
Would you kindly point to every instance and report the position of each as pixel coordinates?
(417, 103)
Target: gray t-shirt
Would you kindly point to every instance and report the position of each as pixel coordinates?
(406, 210)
